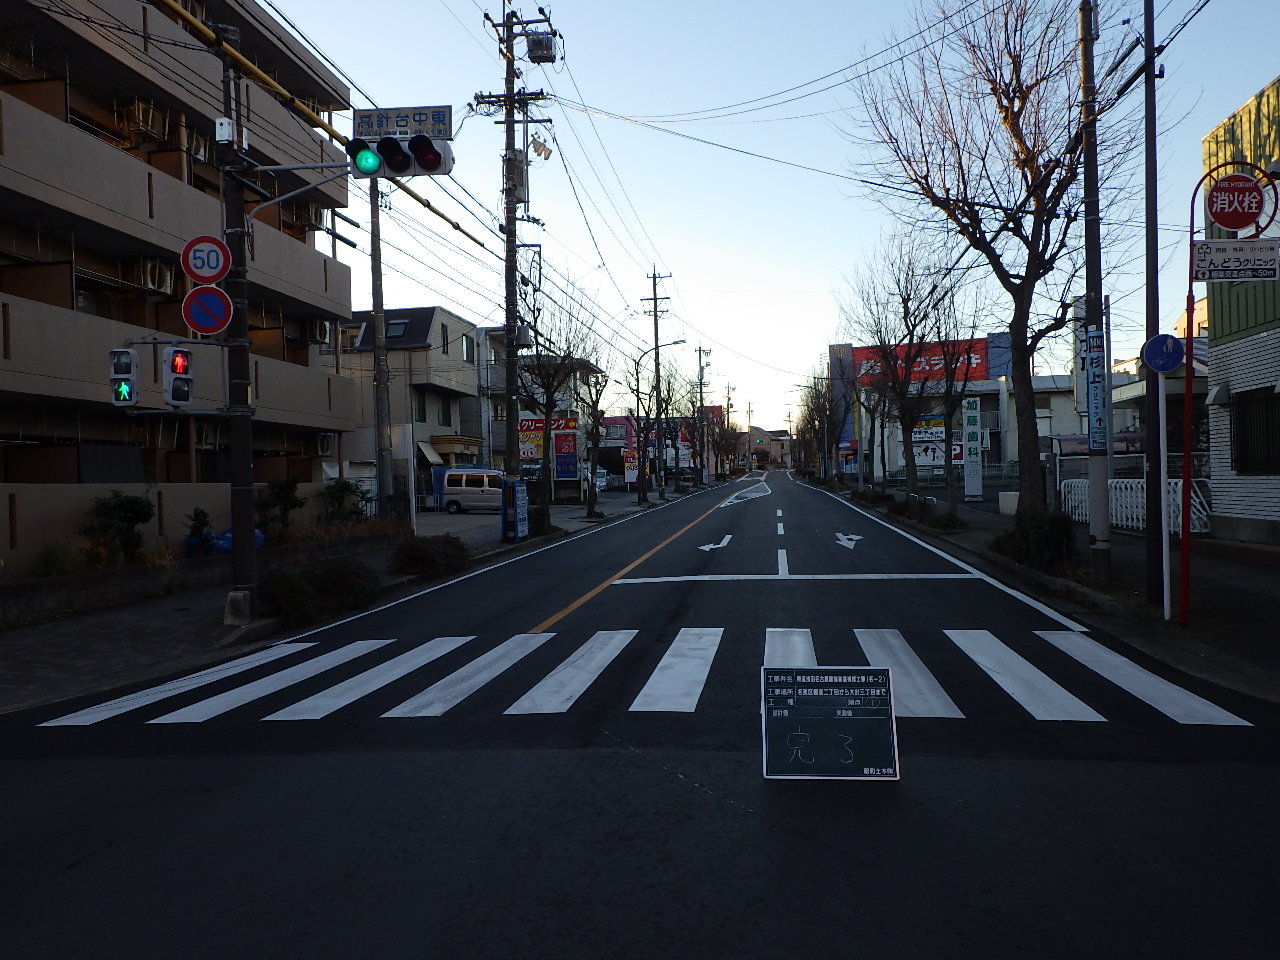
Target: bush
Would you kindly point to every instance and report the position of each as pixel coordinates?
(112, 530)
(58, 560)
(275, 505)
(1045, 542)
(443, 555)
(319, 592)
(343, 501)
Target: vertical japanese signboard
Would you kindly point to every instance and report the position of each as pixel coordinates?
(1095, 386)
(971, 440)
(828, 723)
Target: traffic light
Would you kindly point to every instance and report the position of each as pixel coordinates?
(395, 157)
(177, 376)
(124, 377)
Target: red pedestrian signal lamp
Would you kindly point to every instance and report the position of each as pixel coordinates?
(416, 156)
(124, 377)
(177, 376)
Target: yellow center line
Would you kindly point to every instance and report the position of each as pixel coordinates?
(556, 617)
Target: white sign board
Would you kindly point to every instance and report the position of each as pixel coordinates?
(1214, 261)
(404, 122)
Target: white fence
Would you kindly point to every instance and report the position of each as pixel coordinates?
(1129, 503)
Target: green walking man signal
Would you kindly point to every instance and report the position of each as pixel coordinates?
(124, 377)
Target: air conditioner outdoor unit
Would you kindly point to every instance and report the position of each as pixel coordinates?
(318, 331)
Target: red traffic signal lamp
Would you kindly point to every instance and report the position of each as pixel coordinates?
(124, 377)
(177, 376)
(418, 155)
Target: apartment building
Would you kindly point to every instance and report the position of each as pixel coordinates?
(432, 392)
(108, 114)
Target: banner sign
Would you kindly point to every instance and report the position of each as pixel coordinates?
(828, 723)
(970, 357)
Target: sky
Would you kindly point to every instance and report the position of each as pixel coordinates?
(754, 219)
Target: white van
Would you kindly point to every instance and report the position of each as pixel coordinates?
(469, 488)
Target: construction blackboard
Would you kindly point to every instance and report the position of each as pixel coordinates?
(828, 723)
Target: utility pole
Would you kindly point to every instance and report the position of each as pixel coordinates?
(244, 559)
(1156, 540)
(513, 175)
(702, 413)
(1099, 440)
(381, 366)
(659, 440)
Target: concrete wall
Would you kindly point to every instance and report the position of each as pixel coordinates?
(33, 515)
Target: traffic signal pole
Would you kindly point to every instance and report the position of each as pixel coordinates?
(244, 560)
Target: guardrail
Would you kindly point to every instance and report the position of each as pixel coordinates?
(1128, 503)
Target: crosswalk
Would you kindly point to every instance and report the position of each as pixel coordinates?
(332, 679)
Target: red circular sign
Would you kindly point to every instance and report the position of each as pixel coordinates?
(206, 259)
(207, 310)
(1235, 202)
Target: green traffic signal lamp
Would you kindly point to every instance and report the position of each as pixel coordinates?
(124, 377)
(366, 160)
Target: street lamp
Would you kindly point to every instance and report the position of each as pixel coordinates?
(642, 495)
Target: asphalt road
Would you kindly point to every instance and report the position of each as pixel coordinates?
(560, 756)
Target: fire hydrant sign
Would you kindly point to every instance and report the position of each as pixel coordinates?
(828, 723)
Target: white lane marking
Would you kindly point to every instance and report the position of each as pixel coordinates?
(225, 702)
(759, 489)
(716, 546)
(784, 567)
(557, 692)
(779, 513)
(326, 701)
(1168, 698)
(916, 692)
(787, 647)
(439, 697)
(711, 578)
(849, 540)
(133, 701)
(1043, 698)
(1035, 604)
(779, 528)
(677, 682)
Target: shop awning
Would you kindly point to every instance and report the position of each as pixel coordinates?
(429, 452)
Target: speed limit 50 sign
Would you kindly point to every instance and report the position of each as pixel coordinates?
(206, 259)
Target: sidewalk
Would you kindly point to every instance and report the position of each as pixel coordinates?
(1231, 639)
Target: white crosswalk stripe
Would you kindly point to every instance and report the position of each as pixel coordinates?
(675, 684)
(916, 692)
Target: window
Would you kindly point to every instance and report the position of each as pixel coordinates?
(468, 349)
(499, 409)
(444, 339)
(615, 431)
(396, 329)
(1255, 432)
(474, 480)
(419, 405)
(446, 412)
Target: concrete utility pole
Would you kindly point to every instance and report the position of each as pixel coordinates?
(512, 101)
(702, 414)
(1099, 494)
(244, 559)
(1156, 540)
(381, 366)
(659, 438)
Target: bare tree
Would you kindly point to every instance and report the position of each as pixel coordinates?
(981, 122)
(548, 385)
(895, 310)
